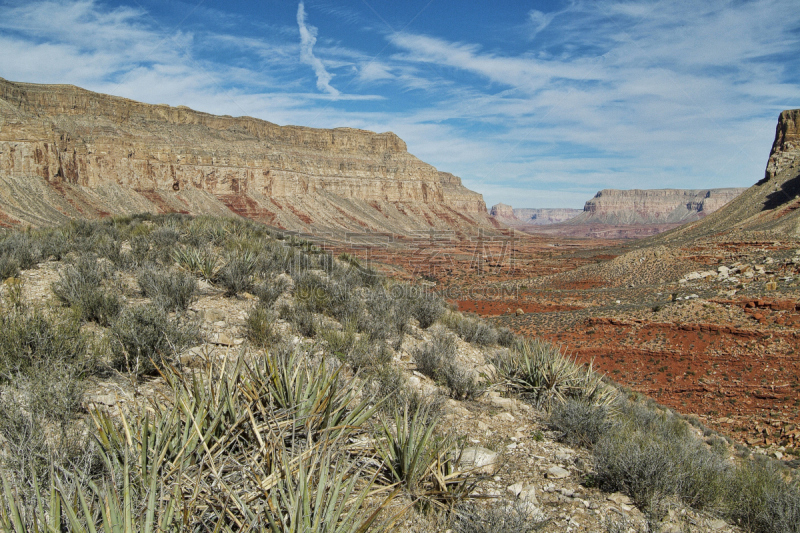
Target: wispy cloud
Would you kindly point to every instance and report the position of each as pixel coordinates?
(657, 93)
(308, 38)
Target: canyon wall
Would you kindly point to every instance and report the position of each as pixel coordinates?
(770, 209)
(66, 152)
(653, 206)
(525, 216)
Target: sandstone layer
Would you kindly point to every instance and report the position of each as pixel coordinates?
(525, 216)
(653, 206)
(68, 152)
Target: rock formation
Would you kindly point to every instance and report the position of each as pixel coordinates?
(68, 152)
(653, 206)
(620, 214)
(525, 216)
(770, 209)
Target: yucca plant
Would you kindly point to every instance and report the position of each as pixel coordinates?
(537, 370)
(424, 463)
(200, 262)
(327, 491)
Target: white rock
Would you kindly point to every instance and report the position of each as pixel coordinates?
(515, 489)
(504, 417)
(479, 459)
(556, 472)
(507, 404)
(619, 499)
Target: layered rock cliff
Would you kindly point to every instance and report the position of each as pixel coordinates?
(526, 216)
(67, 152)
(653, 206)
(770, 209)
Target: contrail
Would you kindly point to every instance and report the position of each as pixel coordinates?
(308, 37)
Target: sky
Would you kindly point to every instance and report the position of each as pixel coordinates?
(532, 103)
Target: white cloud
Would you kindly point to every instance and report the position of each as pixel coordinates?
(609, 93)
(308, 37)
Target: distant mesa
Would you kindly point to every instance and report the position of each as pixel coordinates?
(614, 213)
(66, 152)
(525, 216)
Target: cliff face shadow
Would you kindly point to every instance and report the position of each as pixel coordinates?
(788, 191)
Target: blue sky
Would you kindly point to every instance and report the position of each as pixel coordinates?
(535, 104)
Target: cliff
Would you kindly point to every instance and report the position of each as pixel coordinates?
(527, 216)
(653, 206)
(770, 209)
(68, 152)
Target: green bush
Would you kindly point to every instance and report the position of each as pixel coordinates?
(652, 456)
(30, 338)
(427, 309)
(145, 335)
(763, 498)
(80, 286)
(172, 291)
(236, 276)
(580, 423)
(260, 324)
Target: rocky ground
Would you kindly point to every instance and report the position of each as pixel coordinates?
(507, 441)
(709, 329)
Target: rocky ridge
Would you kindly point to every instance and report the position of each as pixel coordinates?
(768, 209)
(67, 152)
(525, 216)
(653, 206)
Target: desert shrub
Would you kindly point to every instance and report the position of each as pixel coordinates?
(390, 385)
(580, 423)
(164, 237)
(236, 276)
(35, 445)
(260, 326)
(431, 356)
(140, 249)
(303, 320)
(80, 286)
(54, 244)
(652, 456)
(472, 330)
(269, 291)
(325, 261)
(762, 498)
(386, 317)
(145, 334)
(506, 337)
(31, 338)
(312, 292)
(105, 244)
(17, 252)
(9, 267)
(172, 291)
(437, 360)
(508, 517)
(427, 309)
(539, 372)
